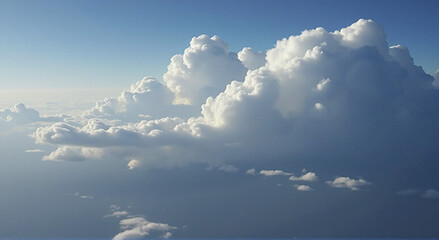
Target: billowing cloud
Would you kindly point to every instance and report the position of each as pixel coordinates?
(22, 114)
(346, 182)
(203, 70)
(318, 92)
(139, 227)
(251, 59)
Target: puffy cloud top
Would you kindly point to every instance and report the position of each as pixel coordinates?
(203, 70)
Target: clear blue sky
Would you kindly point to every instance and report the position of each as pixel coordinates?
(101, 44)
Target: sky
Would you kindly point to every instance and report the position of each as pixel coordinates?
(219, 119)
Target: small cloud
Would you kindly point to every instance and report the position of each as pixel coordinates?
(117, 214)
(270, 173)
(228, 168)
(251, 171)
(319, 106)
(431, 194)
(114, 207)
(303, 187)
(133, 164)
(167, 235)
(34, 151)
(79, 195)
(308, 177)
(322, 84)
(139, 227)
(408, 192)
(346, 182)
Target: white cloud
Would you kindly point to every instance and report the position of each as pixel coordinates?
(22, 114)
(203, 70)
(270, 173)
(303, 188)
(251, 59)
(308, 177)
(133, 163)
(34, 151)
(270, 111)
(346, 182)
(431, 194)
(139, 227)
(251, 171)
(117, 214)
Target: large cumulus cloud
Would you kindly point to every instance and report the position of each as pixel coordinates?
(318, 91)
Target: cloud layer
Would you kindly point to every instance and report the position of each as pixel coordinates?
(315, 92)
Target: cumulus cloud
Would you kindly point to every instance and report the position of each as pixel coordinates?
(314, 91)
(346, 182)
(22, 114)
(303, 188)
(431, 194)
(251, 59)
(271, 173)
(117, 214)
(139, 227)
(203, 70)
(308, 177)
(133, 163)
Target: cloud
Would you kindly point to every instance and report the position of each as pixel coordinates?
(133, 163)
(271, 173)
(74, 154)
(251, 171)
(22, 114)
(346, 182)
(308, 177)
(145, 98)
(431, 194)
(117, 214)
(34, 151)
(81, 196)
(317, 92)
(203, 70)
(251, 59)
(408, 192)
(139, 227)
(228, 168)
(303, 188)
(436, 79)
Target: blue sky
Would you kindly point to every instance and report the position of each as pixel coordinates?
(97, 44)
(219, 119)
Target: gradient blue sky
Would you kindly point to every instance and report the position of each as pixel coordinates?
(105, 44)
